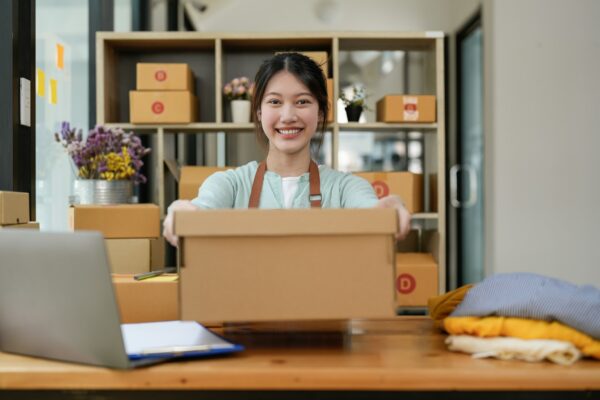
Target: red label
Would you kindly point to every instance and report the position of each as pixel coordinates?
(406, 283)
(158, 107)
(381, 189)
(160, 75)
(410, 107)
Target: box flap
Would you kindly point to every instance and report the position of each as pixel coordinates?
(285, 222)
(414, 259)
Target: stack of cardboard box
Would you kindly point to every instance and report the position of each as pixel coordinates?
(416, 272)
(134, 245)
(131, 231)
(165, 94)
(14, 211)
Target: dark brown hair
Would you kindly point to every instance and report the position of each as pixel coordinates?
(307, 71)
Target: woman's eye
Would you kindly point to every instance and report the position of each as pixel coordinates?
(303, 101)
(272, 101)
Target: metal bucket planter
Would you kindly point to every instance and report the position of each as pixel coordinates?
(98, 191)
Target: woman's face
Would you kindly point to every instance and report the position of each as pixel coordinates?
(289, 115)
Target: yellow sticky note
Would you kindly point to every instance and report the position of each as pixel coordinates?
(53, 89)
(41, 83)
(60, 56)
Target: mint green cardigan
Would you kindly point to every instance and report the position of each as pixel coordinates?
(231, 189)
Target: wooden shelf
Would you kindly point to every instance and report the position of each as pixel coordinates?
(201, 127)
(383, 126)
(216, 57)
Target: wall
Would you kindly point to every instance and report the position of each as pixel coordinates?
(542, 116)
(339, 15)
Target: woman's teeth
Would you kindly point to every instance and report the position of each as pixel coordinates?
(288, 131)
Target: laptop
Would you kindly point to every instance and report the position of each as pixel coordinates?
(57, 301)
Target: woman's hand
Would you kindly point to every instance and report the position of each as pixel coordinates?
(177, 205)
(403, 214)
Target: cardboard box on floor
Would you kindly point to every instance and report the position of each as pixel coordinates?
(273, 265)
(161, 76)
(133, 256)
(167, 107)
(416, 279)
(118, 220)
(29, 225)
(14, 208)
(406, 108)
(148, 300)
(192, 177)
(407, 185)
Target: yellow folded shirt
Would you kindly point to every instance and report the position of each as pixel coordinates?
(522, 328)
(442, 306)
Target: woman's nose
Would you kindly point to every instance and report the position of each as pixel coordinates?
(288, 113)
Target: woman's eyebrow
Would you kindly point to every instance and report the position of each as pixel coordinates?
(295, 95)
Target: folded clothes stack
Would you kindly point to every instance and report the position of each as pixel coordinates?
(521, 316)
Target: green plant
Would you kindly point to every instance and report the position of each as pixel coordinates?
(356, 97)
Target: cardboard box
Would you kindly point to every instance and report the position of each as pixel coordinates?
(29, 225)
(148, 300)
(416, 279)
(433, 193)
(321, 58)
(133, 256)
(406, 108)
(330, 97)
(167, 107)
(274, 265)
(150, 76)
(407, 185)
(14, 208)
(191, 177)
(117, 221)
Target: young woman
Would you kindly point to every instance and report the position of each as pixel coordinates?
(290, 106)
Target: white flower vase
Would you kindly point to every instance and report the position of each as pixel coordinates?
(240, 111)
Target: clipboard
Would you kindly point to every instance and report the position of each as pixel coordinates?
(173, 339)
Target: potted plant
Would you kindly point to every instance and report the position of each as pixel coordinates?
(354, 101)
(107, 163)
(239, 92)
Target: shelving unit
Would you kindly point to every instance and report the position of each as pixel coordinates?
(215, 58)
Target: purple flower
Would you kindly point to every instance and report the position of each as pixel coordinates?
(100, 142)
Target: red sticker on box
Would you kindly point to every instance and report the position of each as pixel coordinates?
(158, 107)
(406, 283)
(381, 189)
(411, 110)
(160, 75)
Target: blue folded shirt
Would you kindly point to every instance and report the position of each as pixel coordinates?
(533, 296)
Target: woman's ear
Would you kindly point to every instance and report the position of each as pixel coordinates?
(258, 115)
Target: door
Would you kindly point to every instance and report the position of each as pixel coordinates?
(466, 176)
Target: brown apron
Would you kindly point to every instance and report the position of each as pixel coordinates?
(313, 177)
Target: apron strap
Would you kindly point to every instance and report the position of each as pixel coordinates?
(313, 176)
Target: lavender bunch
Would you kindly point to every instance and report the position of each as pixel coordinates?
(106, 154)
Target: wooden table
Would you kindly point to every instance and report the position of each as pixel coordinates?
(407, 354)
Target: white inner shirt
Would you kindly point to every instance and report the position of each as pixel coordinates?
(289, 186)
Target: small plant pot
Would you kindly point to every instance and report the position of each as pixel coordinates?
(240, 111)
(353, 113)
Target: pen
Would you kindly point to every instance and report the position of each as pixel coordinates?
(152, 274)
